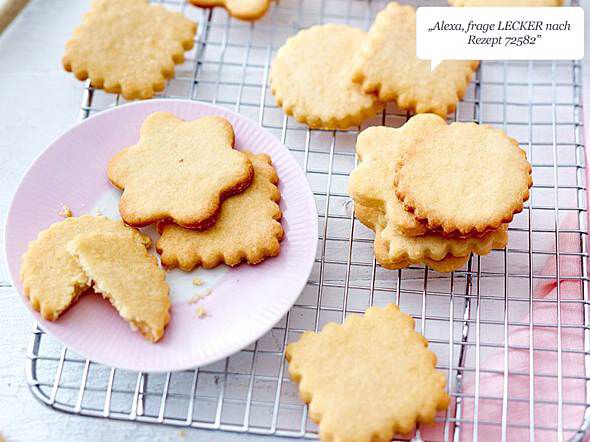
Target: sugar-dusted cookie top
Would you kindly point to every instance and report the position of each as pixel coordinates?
(179, 170)
(311, 78)
(505, 2)
(378, 150)
(128, 46)
(386, 63)
(52, 279)
(461, 178)
(243, 9)
(124, 272)
(369, 378)
(247, 229)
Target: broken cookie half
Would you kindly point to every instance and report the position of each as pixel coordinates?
(72, 255)
(129, 277)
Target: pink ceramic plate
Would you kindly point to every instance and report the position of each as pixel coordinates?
(245, 302)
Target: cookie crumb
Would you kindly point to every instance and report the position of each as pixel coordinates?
(65, 211)
(181, 434)
(197, 281)
(199, 296)
(201, 312)
(98, 212)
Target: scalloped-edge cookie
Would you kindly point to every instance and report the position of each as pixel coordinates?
(505, 2)
(179, 170)
(128, 46)
(52, 279)
(414, 249)
(124, 272)
(378, 150)
(369, 378)
(248, 227)
(386, 64)
(437, 247)
(248, 10)
(463, 178)
(311, 79)
(393, 259)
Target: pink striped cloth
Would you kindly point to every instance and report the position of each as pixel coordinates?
(546, 392)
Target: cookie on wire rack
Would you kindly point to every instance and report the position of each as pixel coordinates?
(461, 178)
(369, 378)
(310, 78)
(248, 10)
(386, 64)
(395, 247)
(378, 150)
(391, 258)
(128, 47)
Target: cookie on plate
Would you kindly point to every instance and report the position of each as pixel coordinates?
(386, 64)
(505, 2)
(179, 170)
(461, 178)
(249, 10)
(247, 229)
(52, 279)
(311, 78)
(124, 272)
(128, 46)
(369, 378)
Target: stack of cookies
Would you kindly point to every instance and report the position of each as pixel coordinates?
(181, 175)
(435, 193)
(335, 76)
(211, 203)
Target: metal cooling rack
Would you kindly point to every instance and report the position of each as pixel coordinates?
(466, 316)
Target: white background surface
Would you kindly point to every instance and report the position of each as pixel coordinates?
(38, 101)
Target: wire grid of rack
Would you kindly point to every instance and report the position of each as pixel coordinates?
(469, 317)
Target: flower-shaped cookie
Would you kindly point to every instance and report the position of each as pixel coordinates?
(247, 229)
(128, 46)
(386, 63)
(243, 9)
(179, 170)
(378, 150)
(369, 378)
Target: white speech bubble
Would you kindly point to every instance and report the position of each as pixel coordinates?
(446, 33)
